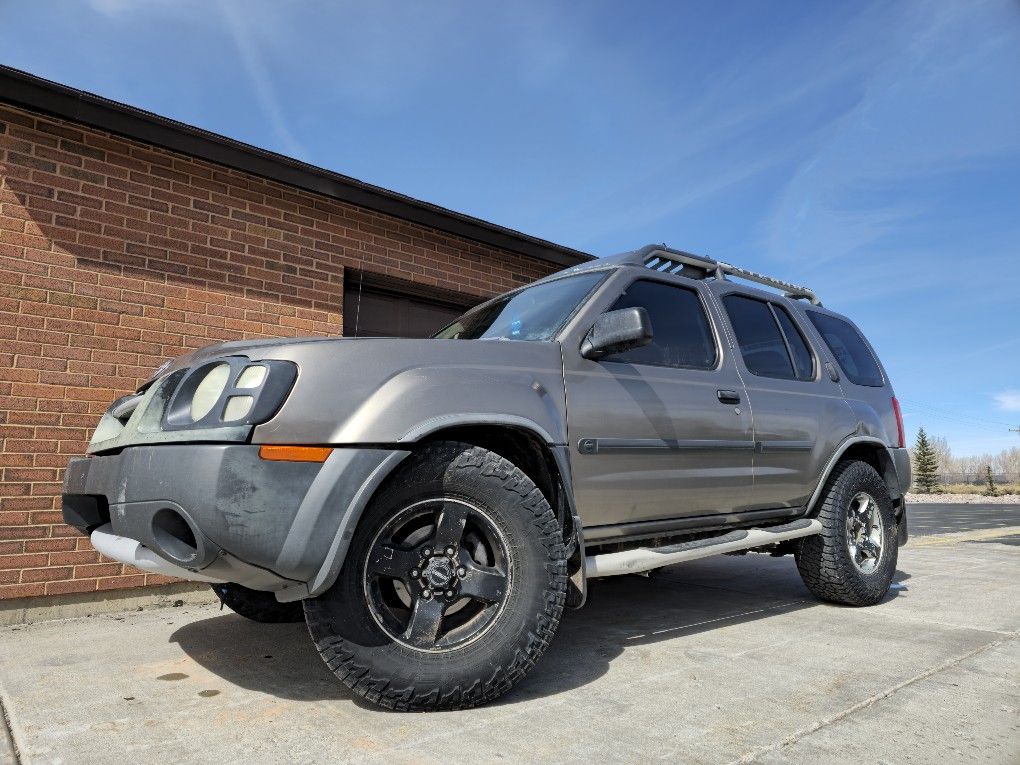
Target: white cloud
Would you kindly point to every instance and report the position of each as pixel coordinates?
(111, 7)
(1008, 400)
(115, 8)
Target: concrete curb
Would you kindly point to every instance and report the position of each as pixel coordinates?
(29, 610)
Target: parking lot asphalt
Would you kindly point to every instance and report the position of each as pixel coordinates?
(721, 660)
(924, 519)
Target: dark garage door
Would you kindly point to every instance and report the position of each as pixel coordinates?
(374, 307)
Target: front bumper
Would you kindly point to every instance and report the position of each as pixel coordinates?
(219, 512)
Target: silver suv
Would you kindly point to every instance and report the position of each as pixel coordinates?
(429, 507)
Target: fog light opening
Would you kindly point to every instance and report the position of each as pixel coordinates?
(174, 535)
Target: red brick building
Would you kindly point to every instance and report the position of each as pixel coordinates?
(127, 238)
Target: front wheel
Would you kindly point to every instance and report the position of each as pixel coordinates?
(453, 587)
(853, 560)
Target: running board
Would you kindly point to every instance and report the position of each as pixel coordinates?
(647, 558)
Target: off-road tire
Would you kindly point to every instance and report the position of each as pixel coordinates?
(257, 605)
(824, 561)
(398, 677)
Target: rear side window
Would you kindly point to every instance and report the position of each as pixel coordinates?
(851, 352)
(681, 335)
(803, 361)
(769, 341)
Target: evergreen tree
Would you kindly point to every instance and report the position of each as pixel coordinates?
(926, 465)
(991, 489)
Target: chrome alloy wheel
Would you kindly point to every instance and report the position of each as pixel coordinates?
(864, 532)
(438, 574)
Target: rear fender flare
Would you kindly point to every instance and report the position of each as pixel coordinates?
(886, 461)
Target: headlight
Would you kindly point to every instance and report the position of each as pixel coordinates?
(228, 392)
(209, 391)
(116, 418)
(108, 427)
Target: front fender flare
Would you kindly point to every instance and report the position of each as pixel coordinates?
(577, 592)
(442, 422)
(363, 478)
(363, 487)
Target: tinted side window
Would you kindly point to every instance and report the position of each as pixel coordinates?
(803, 360)
(682, 336)
(849, 348)
(761, 343)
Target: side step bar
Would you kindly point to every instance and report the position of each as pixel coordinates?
(648, 558)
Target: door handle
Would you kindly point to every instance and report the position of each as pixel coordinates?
(728, 396)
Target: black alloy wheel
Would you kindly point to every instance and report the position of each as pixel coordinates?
(437, 574)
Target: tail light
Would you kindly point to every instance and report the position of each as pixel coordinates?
(899, 423)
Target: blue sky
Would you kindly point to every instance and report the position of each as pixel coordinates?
(868, 150)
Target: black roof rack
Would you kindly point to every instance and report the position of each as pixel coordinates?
(663, 259)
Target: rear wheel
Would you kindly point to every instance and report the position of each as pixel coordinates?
(257, 605)
(854, 558)
(453, 587)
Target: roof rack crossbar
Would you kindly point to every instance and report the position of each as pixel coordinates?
(793, 291)
(674, 261)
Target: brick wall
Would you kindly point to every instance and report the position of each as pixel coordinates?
(115, 256)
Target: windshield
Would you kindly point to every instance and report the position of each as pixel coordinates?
(534, 313)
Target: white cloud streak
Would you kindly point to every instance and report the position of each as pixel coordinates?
(252, 62)
(920, 118)
(1008, 400)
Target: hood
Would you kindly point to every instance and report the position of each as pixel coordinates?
(372, 391)
(387, 390)
(249, 348)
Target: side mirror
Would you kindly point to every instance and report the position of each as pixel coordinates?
(617, 331)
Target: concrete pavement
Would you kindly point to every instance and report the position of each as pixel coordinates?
(716, 661)
(6, 742)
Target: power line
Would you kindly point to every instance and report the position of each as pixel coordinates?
(953, 413)
(982, 428)
(951, 416)
(949, 413)
(952, 419)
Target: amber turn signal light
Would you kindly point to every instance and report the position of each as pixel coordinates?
(294, 453)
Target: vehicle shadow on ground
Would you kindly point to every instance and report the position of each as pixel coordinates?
(278, 659)
(673, 604)
(622, 612)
